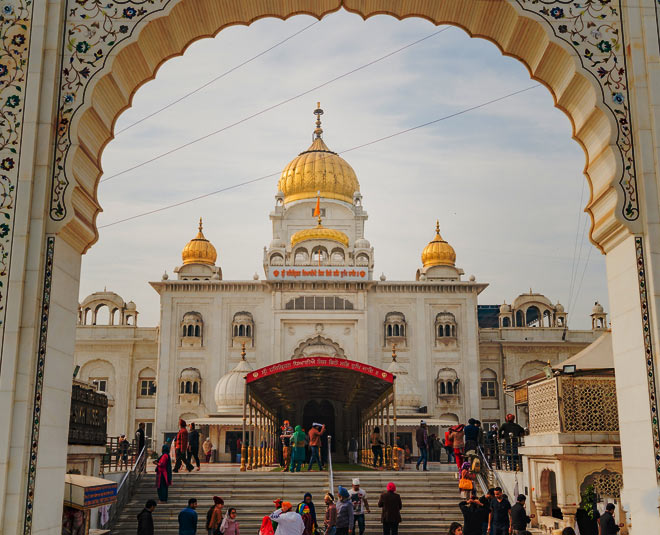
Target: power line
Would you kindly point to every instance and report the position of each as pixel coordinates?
(274, 106)
(271, 175)
(197, 90)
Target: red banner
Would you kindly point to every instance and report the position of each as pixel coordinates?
(320, 362)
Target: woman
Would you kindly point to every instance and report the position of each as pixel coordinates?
(457, 436)
(229, 524)
(215, 518)
(465, 483)
(163, 473)
(298, 449)
(307, 511)
(330, 521)
(377, 447)
(455, 529)
(390, 503)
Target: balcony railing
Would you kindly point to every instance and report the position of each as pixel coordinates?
(119, 458)
(503, 454)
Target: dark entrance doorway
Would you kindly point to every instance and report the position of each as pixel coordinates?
(321, 412)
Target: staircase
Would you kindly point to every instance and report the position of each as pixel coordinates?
(430, 499)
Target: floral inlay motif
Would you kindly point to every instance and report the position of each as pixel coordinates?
(15, 26)
(594, 28)
(93, 28)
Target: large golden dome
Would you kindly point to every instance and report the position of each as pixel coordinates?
(199, 250)
(318, 169)
(319, 232)
(438, 252)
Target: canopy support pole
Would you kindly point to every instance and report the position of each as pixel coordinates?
(243, 448)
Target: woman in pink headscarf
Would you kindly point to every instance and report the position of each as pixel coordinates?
(390, 516)
(163, 473)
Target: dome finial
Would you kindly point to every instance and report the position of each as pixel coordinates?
(437, 226)
(242, 350)
(393, 352)
(318, 112)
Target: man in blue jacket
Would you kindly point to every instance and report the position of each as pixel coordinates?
(188, 518)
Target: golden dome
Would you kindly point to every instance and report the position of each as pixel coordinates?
(438, 252)
(199, 250)
(318, 169)
(319, 232)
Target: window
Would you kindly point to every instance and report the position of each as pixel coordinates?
(100, 384)
(318, 302)
(192, 329)
(447, 382)
(242, 329)
(314, 212)
(445, 327)
(395, 328)
(147, 387)
(488, 388)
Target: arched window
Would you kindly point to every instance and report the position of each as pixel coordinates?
(395, 328)
(443, 387)
(191, 330)
(188, 387)
(447, 384)
(197, 330)
(243, 329)
(185, 331)
(362, 260)
(301, 257)
(506, 322)
(445, 327)
(195, 388)
(183, 387)
(319, 255)
(450, 388)
(389, 330)
(488, 384)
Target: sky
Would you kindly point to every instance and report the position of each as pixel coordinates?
(505, 180)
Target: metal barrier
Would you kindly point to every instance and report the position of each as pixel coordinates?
(331, 477)
(126, 488)
(490, 474)
(503, 454)
(119, 456)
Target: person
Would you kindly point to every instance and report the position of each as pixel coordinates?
(565, 531)
(345, 513)
(466, 481)
(475, 513)
(330, 521)
(499, 519)
(297, 449)
(315, 434)
(307, 510)
(207, 448)
(163, 473)
(511, 432)
(606, 523)
(491, 440)
(449, 447)
(358, 498)
(145, 520)
(377, 447)
(285, 439)
(278, 505)
(230, 525)
(455, 529)
(181, 447)
(458, 442)
(422, 439)
(352, 451)
(485, 501)
(390, 516)
(122, 449)
(193, 446)
(400, 452)
(214, 515)
(288, 522)
(188, 518)
(519, 518)
(471, 434)
(140, 438)
(436, 448)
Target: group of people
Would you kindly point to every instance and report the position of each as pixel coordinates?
(294, 443)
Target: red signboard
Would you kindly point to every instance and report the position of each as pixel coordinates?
(319, 362)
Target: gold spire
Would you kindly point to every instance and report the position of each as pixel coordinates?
(318, 169)
(393, 352)
(438, 252)
(242, 350)
(199, 250)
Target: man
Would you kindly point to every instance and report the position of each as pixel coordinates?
(475, 512)
(352, 451)
(391, 505)
(140, 438)
(122, 448)
(519, 518)
(181, 447)
(511, 432)
(285, 438)
(145, 520)
(315, 434)
(207, 447)
(288, 522)
(499, 519)
(485, 501)
(449, 447)
(345, 514)
(606, 523)
(188, 518)
(422, 438)
(358, 498)
(193, 446)
(471, 434)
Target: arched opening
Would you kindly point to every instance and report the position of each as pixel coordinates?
(197, 331)
(533, 317)
(102, 315)
(188, 387)
(506, 322)
(519, 319)
(195, 388)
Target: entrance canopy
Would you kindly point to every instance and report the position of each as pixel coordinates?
(353, 383)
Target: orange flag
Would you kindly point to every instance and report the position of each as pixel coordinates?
(317, 210)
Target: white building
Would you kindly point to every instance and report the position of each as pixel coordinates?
(318, 298)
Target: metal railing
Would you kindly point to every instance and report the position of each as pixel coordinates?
(504, 454)
(126, 488)
(331, 477)
(492, 479)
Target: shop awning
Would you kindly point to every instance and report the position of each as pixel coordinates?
(218, 420)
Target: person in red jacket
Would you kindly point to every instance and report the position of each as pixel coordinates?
(181, 448)
(449, 446)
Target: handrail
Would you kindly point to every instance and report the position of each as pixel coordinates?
(331, 478)
(124, 493)
(490, 469)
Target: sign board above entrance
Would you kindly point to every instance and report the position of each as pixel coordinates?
(320, 362)
(313, 273)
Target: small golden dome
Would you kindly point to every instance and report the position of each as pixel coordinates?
(438, 252)
(319, 232)
(199, 250)
(318, 169)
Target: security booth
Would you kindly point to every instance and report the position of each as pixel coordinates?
(81, 495)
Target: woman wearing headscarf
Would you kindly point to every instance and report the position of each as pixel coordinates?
(230, 524)
(298, 449)
(458, 440)
(163, 473)
(390, 516)
(288, 522)
(215, 518)
(466, 481)
(307, 510)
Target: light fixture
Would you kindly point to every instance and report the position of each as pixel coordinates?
(569, 369)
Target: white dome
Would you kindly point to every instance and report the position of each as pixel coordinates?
(362, 243)
(230, 390)
(559, 308)
(407, 397)
(504, 308)
(598, 308)
(130, 306)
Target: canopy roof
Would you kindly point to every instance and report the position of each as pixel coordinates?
(596, 356)
(285, 383)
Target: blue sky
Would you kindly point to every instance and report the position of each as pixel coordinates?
(505, 180)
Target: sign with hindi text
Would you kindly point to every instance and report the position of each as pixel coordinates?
(312, 273)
